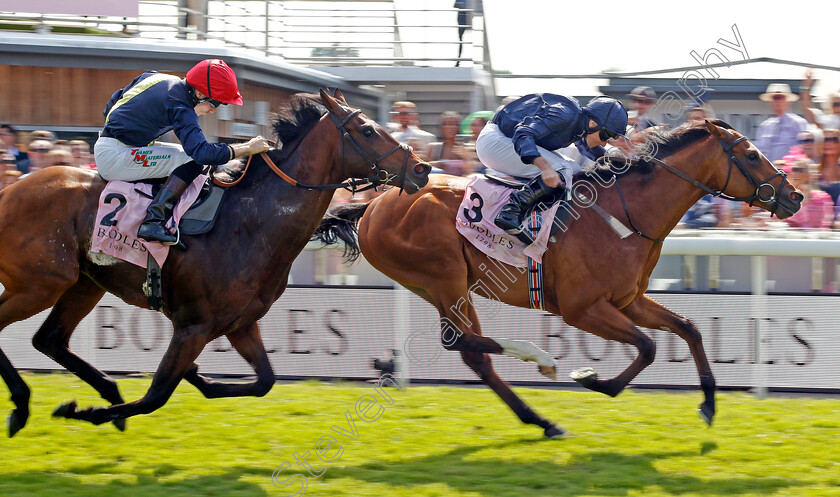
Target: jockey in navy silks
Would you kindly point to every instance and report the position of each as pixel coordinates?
(152, 105)
(524, 139)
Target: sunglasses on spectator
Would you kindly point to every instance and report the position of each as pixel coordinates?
(832, 139)
(39, 149)
(9, 161)
(212, 101)
(806, 140)
(836, 104)
(62, 163)
(639, 100)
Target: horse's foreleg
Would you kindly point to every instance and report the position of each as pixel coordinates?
(53, 339)
(248, 342)
(649, 313)
(187, 343)
(604, 320)
(15, 307)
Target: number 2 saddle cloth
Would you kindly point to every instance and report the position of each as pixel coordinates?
(483, 200)
(122, 207)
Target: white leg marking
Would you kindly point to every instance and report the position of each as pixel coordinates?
(525, 351)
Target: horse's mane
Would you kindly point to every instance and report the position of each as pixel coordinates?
(669, 142)
(296, 117)
(662, 143)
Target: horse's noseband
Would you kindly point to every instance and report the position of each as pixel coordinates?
(765, 192)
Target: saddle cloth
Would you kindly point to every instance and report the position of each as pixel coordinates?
(122, 207)
(483, 200)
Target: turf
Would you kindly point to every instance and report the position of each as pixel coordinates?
(433, 441)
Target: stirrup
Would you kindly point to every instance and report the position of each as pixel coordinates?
(178, 244)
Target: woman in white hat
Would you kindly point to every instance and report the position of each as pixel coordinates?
(778, 133)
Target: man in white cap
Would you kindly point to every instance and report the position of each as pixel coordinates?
(778, 133)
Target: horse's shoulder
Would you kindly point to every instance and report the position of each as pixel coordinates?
(444, 188)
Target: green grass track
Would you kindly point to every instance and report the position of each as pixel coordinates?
(434, 441)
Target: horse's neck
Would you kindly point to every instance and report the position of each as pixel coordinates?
(662, 198)
(312, 163)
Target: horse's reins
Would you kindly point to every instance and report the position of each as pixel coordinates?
(727, 148)
(379, 177)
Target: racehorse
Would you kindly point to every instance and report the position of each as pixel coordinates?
(222, 285)
(592, 278)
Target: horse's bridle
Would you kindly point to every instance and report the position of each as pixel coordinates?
(379, 176)
(727, 148)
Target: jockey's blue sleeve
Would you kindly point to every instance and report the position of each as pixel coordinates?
(541, 119)
(185, 125)
(591, 153)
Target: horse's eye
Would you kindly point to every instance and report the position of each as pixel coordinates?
(752, 156)
(367, 132)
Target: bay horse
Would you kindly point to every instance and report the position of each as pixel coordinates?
(221, 286)
(592, 278)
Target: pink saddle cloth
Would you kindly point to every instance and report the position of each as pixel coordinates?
(483, 200)
(121, 210)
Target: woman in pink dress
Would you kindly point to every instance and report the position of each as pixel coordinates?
(817, 210)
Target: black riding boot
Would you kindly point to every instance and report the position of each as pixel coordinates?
(153, 228)
(521, 201)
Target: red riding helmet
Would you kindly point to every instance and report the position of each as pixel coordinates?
(216, 80)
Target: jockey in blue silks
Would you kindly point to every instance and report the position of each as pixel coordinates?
(524, 139)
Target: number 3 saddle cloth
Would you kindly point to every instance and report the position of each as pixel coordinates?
(483, 199)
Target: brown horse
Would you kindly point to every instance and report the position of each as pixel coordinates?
(222, 285)
(592, 278)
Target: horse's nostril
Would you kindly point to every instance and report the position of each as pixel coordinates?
(422, 169)
(796, 196)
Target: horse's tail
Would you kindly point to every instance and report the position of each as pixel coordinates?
(340, 223)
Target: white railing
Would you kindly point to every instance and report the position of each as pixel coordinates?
(307, 32)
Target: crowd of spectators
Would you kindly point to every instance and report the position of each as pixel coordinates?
(23, 153)
(806, 148)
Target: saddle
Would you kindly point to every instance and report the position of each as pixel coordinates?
(562, 215)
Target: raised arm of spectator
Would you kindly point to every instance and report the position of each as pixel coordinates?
(805, 95)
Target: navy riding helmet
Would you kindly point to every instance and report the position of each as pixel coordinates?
(609, 115)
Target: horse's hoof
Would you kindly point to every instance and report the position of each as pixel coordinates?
(585, 376)
(554, 431)
(119, 423)
(65, 410)
(15, 421)
(707, 413)
(549, 372)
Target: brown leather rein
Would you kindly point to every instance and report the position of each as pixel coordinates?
(271, 164)
(379, 176)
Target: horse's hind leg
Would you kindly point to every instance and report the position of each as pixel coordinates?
(649, 313)
(53, 339)
(604, 320)
(248, 342)
(187, 343)
(483, 367)
(15, 307)
(462, 332)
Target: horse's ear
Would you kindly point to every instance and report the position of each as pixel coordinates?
(339, 96)
(713, 129)
(328, 101)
